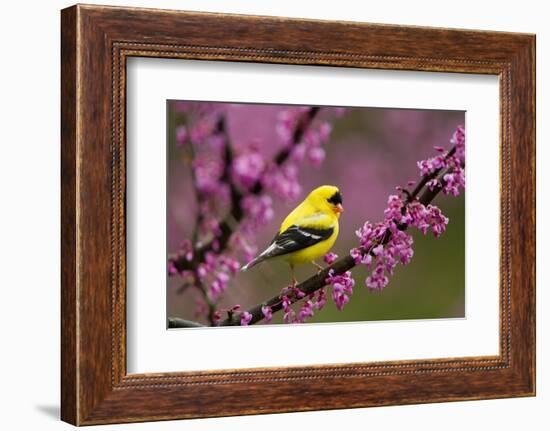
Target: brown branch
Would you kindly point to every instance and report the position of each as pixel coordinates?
(236, 213)
(176, 322)
(342, 265)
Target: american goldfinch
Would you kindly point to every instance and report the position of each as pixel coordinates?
(308, 232)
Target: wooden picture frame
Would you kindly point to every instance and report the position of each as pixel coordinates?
(96, 41)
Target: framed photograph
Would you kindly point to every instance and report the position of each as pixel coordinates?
(259, 208)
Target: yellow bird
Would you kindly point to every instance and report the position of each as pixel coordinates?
(308, 232)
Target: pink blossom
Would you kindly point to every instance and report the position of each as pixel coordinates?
(267, 312)
(453, 182)
(258, 212)
(321, 299)
(459, 140)
(289, 313)
(283, 182)
(325, 129)
(370, 233)
(186, 250)
(432, 184)
(316, 156)
(181, 135)
(172, 270)
(342, 287)
(311, 138)
(239, 243)
(437, 220)
(216, 142)
(330, 258)
(207, 174)
(418, 216)
(229, 264)
(306, 311)
(393, 210)
(247, 169)
(356, 254)
(431, 165)
(377, 280)
(246, 317)
(216, 317)
(285, 125)
(299, 153)
(201, 271)
(202, 128)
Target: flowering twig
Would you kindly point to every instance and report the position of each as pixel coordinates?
(236, 212)
(439, 173)
(318, 281)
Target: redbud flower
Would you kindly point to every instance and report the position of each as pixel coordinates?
(216, 317)
(285, 125)
(258, 210)
(325, 129)
(172, 270)
(418, 216)
(342, 287)
(321, 299)
(207, 174)
(330, 258)
(289, 313)
(299, 153)
(453, 182)
(229, 264)
(283, 182)
(311, 138)
(370, 233)
(201, 271)
(393, 211)
(181, 135)
(246, 317)
(306, 310)
(377, 280)
(202, 128)
(437, 220)
(267, 312)
(432, 184)
(431, 165)
(247, 169)
(316, 156)
(356, 254)
(459, 139)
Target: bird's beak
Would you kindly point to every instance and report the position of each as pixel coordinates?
(339, 209)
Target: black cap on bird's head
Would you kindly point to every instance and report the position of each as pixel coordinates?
(336, 201)
(336, 198)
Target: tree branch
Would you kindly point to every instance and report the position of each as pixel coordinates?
(236, 213)
(176, 322)
(342, 265)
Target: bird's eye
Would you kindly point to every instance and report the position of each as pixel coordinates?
(335, 199)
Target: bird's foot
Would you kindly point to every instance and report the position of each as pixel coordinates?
(319, 267)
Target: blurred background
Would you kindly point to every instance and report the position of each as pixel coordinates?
(370, 151)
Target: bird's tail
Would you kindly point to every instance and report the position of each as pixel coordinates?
(253, 262)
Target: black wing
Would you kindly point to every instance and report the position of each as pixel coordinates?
(296, 238)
